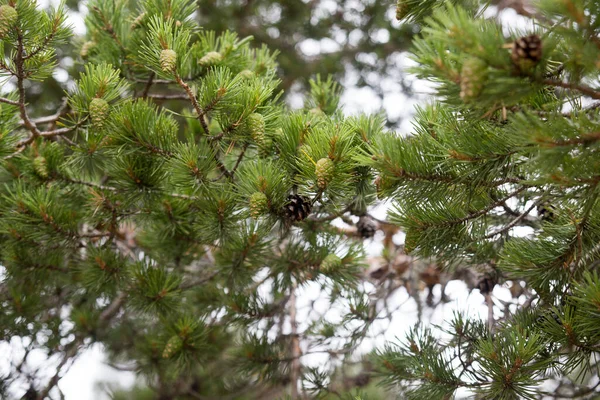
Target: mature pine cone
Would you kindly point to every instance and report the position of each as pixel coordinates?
(527, 51)
(297, 207)
(31, 394)
(402, 9)
(486, 284)
(366, 227)
(546, 212)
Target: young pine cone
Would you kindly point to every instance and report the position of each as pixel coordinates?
(98, 109)
(259, 204)
(8, 18)
(324, 171)
(174, 345)
(168, 60)
(211, 58)
(472, 78)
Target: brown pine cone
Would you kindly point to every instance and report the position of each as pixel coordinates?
(526, 52)
(297, 207)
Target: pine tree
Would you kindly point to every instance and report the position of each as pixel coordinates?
(173, 208)
(514, 130)
(359, 40)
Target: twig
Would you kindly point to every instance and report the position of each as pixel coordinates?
(148, 85)
(513, 222)
(70, 353)
(114, 307)
(8, 101)
(588, 91)
(296, 351)
(194, 101)
(174, 96)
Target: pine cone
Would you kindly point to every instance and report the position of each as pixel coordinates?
(330, 263)
(546, 212)
(173, 346)
(259, 204)
(401, 10)
(247, 74)
(265, 148)
(98, 112)
(137, 22)
(168, 60)
(8, 18)
(211, 58)
(256, 127)
(366, 227)
(324, 171)
(40, 166)
(297, 207)
(316, 112)
(527, 52)
(472, 78)
(87, 48)
(486, 284)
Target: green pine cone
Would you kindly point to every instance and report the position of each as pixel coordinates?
(174, 345)
(137, 22)
(256, 126)
(211, 58)
(86, 48)
(168, 60)
(247, 74)
(259, 204)
(40, 166)
(472, 78)
(324, 170)
(265, 147)
(8, 18)
(98, 112)
(330, 263)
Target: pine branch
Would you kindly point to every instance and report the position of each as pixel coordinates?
(514, 222)
(588, 91)
(19, 63)
(71, 352)
(173, 96)
(295, 370)
(195, 103)
(11, 102)
(148, 85)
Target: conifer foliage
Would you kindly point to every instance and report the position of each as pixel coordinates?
(515, 130)
(172, 208)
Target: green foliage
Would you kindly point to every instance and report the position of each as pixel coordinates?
(510, 136)
(149, 212)
(175, 210)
